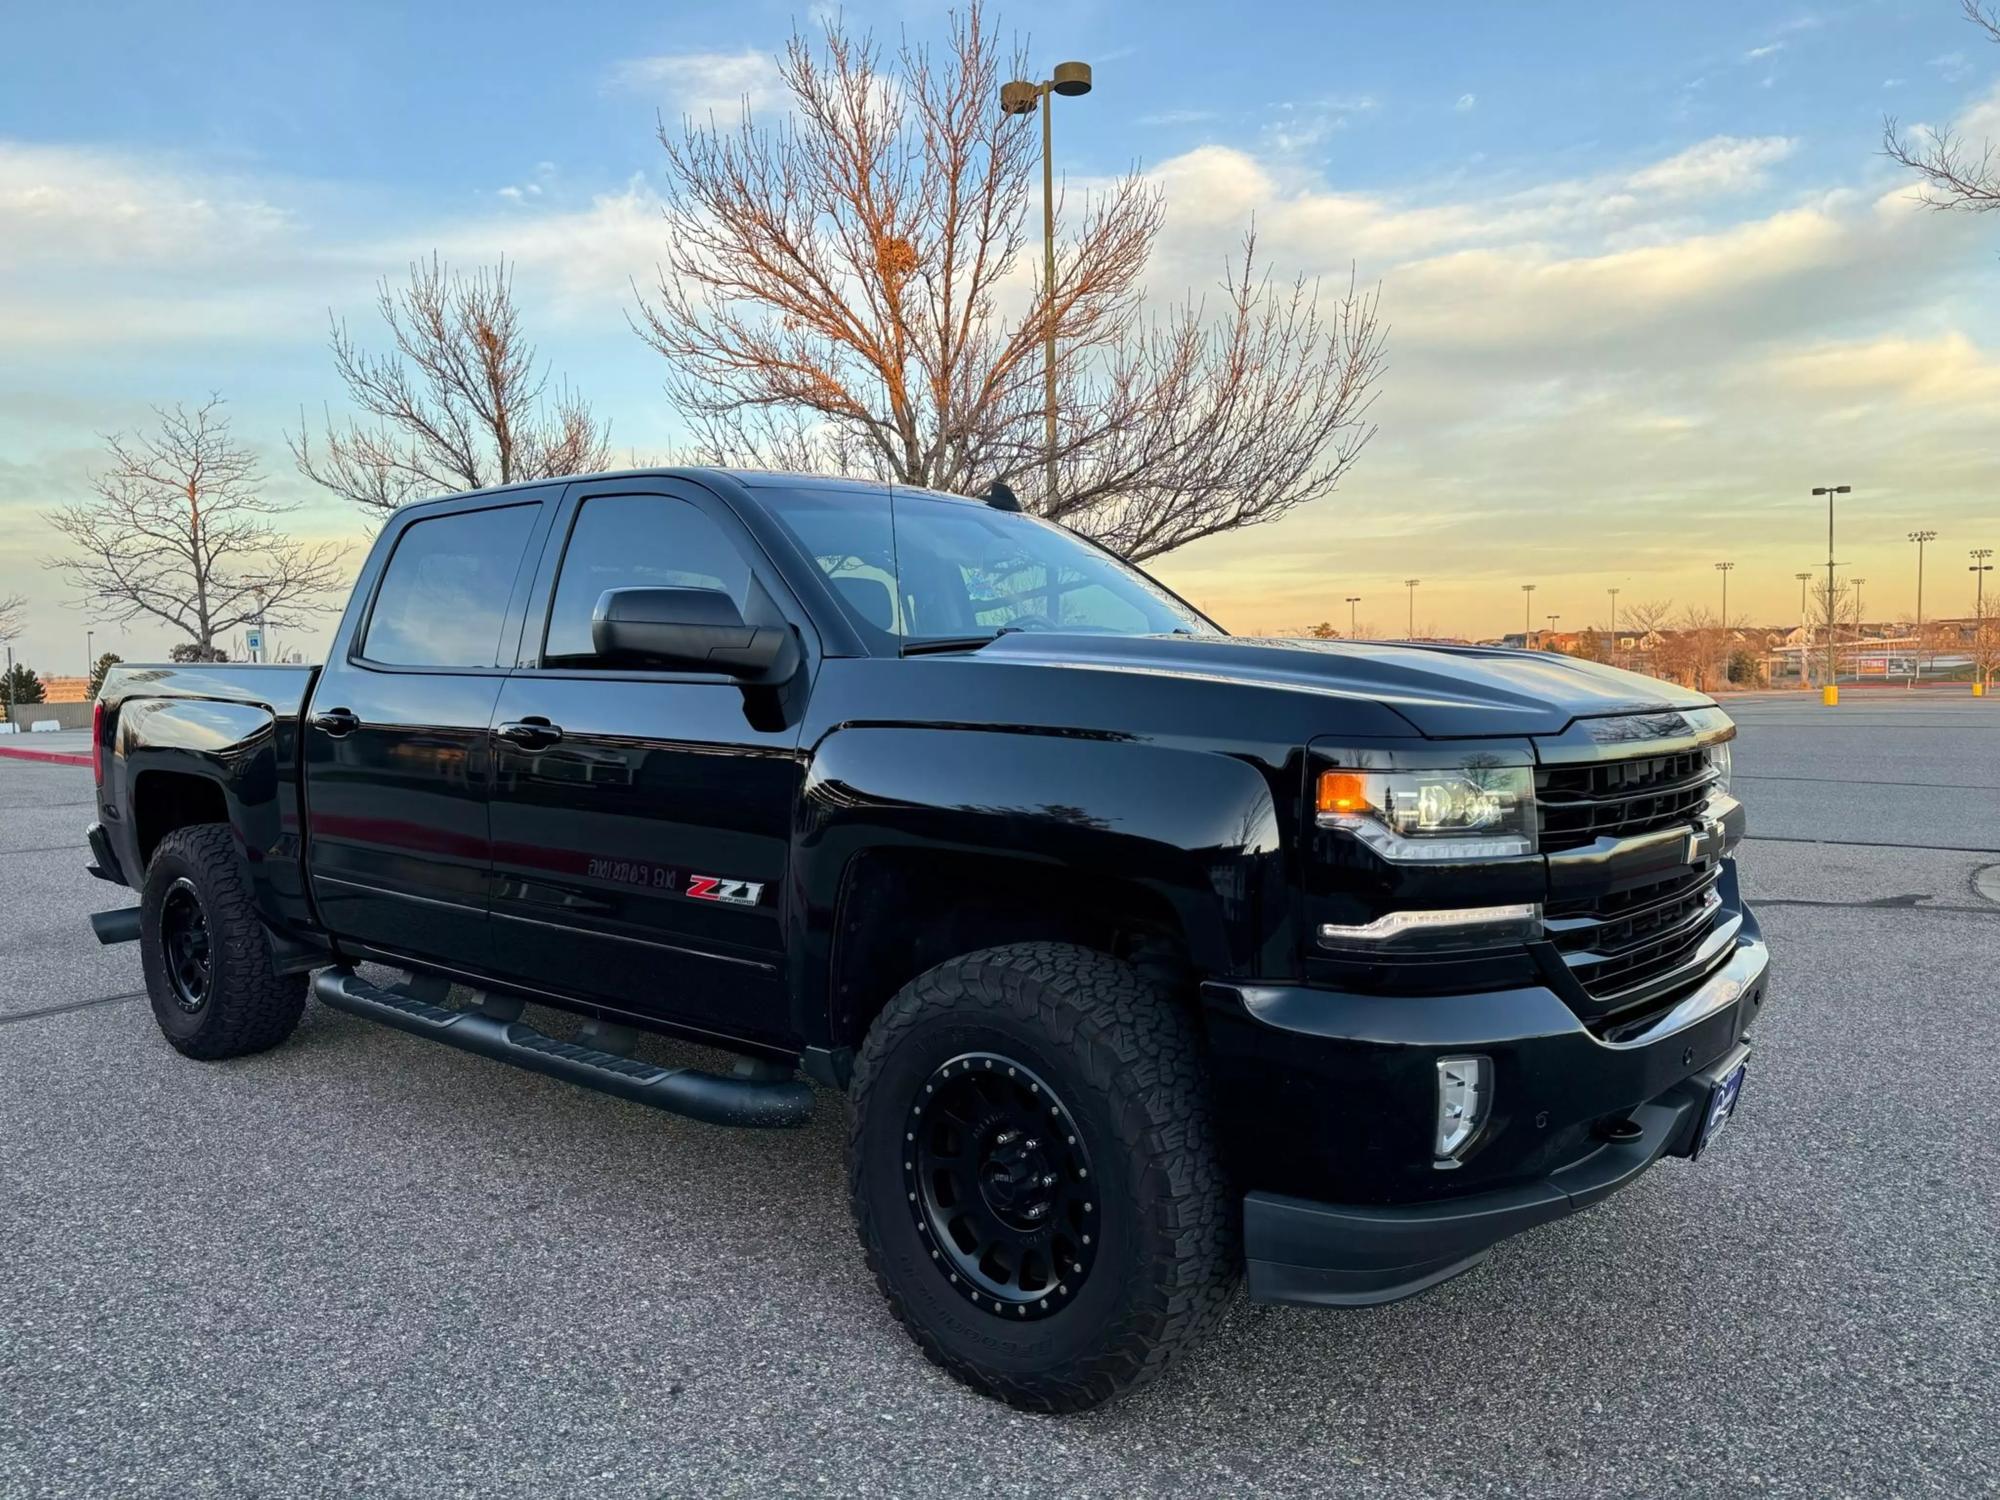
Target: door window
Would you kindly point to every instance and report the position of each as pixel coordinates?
(636, 541)
(444, 595)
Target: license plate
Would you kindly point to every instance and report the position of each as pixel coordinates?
(1721, 1105)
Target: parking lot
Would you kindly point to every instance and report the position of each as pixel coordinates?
(364, 1265)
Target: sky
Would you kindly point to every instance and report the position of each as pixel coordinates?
(1647, 277)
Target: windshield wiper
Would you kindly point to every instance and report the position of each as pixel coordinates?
(935, 643)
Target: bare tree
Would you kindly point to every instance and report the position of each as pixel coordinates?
(1956, 173)
(848, 292)
(178, 532)
(13, 611)
(462, 403)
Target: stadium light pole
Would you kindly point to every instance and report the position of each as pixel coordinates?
(1613, 648)
(1352, 628)
(1527, 617)
(1805, 676)
(1917, 661)
(1979, 569)
(1411, 585)
(1548, 641)
(1020, 97)
(1723, 568)
(1832, 636)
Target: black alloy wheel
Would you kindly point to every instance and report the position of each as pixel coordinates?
(184, 936)
(210, 970)
(998, 1178)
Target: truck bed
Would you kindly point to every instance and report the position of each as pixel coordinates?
(209, 741)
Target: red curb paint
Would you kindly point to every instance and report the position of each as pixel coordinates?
(54, 757)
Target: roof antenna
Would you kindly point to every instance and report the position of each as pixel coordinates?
(1000, 497)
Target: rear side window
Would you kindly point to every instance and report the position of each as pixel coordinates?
(444, 596)
(636, 541)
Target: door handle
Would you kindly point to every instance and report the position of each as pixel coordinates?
(336, 722)
(531, 733)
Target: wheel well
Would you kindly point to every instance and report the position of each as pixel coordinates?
(905, 911)
(165, 800)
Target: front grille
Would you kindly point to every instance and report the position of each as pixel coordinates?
(1618, 799)
(1619, 947)
(1635, 950)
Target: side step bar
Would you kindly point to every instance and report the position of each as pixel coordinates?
(755, 1102)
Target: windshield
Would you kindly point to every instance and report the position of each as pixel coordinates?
(954, 569)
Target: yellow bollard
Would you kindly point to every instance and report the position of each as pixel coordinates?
(1829, 695)
(1979, 690)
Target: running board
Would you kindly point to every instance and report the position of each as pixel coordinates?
(709, 1097)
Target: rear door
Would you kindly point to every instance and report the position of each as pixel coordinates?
(642, 819)
(397, 765)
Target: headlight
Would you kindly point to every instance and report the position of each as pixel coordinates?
(1458, 813)
(1720, 761)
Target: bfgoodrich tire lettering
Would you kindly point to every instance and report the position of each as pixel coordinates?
(1125, 1062)
(229, 1001)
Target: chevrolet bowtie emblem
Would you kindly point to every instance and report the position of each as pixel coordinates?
(1704, 842)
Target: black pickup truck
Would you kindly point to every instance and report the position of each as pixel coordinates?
(1146, 956)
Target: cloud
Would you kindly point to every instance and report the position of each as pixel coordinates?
(1300, 126)
(1466, 102)
(1953, 67)
(1767, 50)
(700, 84)
(1722, 164)
(521, 192)
(1618, 372)
(68, 204)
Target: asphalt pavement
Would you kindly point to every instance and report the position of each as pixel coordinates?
(362, 1265)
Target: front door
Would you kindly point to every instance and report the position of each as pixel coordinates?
(642, 819)
(397, 764)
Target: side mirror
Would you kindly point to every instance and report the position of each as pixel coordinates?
(691, 630)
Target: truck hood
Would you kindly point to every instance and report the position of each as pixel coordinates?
(1443, 691)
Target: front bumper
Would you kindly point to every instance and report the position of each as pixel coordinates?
(1334, 1099)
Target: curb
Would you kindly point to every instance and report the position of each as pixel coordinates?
(54, 757)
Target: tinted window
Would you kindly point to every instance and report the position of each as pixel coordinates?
(444, 596)
(637, 541)
(947, 568)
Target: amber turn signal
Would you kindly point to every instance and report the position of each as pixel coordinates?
(1343, 792)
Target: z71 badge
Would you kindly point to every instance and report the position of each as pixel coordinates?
(715, 888)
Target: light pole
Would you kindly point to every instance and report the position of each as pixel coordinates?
(1832, 644)
(1723, 568)
(1805, 677)
(89, 654)
(1020, 98)
(1411, 585)
(1352, 629)
(1979, 569)
(1527, 617)
(1614, 625)
(1548, 643)
(1917, 663)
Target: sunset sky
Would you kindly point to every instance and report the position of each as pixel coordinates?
(1647, 276)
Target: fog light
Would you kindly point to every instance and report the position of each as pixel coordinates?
(1465, 1092)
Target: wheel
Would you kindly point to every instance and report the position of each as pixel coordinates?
(1035, 1175)
(208, 967)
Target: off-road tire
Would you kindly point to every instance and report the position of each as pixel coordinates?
(1125, 1057)
(248, 1005)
